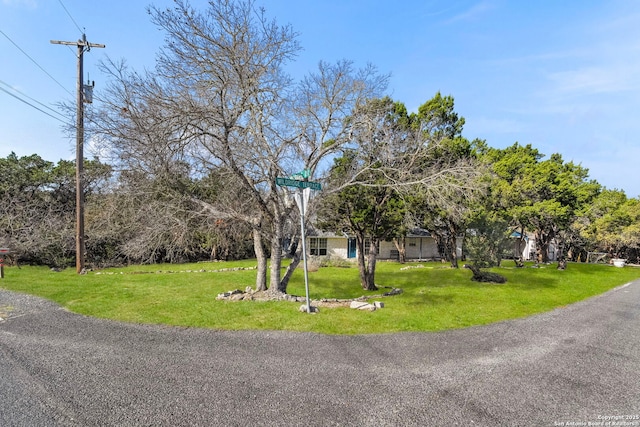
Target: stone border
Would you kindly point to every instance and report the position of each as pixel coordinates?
(220, 270)
(250, 295)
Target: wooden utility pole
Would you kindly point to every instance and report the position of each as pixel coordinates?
(82, 45)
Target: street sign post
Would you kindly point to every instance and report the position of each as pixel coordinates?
(302, 199)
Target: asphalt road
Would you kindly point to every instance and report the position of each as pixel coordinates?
(573, 366)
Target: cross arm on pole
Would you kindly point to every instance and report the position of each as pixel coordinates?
(79, 43)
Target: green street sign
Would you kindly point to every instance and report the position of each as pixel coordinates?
(302, 175)
(298, 184)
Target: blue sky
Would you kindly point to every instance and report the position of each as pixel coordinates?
(563, 76)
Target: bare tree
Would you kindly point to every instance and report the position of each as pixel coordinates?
(219, 99)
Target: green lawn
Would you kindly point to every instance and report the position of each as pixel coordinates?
(434, 298)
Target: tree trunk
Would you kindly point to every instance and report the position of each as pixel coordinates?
(452, 245)
(275, 284)
(440, 245)
(484, 276)
(562, 264)
(374, 248)
(522, 243)
(367, 274)
(542, 247)
(401, 246)
(261, 276)
(362, 267)
(295, 261)
(560, 257)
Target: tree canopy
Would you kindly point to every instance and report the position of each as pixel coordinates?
(196, 144)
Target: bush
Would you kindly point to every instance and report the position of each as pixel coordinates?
(335, 262)
(487, 241)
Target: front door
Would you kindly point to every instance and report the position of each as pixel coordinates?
(351, 247)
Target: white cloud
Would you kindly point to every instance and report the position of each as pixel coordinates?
(606, 69)
(588, 80)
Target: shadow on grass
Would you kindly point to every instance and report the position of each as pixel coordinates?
(527, 278)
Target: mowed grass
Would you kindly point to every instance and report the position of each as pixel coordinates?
(434, 296)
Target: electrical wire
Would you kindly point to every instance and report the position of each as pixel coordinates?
(71, 17)
(32, 99)
(31, 105)
(35, 62)
(63, 119)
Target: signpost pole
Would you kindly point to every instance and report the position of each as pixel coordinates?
(302, 198)
(302, 207)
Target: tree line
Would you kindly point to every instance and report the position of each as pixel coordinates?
(196, 144)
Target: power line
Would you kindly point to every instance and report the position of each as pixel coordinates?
(31, 105)
(32, 99)
(71, 17)
(35, 62)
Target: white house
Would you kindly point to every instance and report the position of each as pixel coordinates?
(419, 246)
(526, 248)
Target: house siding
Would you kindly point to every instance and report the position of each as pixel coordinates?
(528, 249)
(417, 248)
(425, 248)
(337, 247)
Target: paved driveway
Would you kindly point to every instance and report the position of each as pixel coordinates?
(579, 364)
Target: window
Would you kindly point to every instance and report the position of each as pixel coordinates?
(317, 246)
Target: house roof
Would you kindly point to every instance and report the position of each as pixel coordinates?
(312, 232)
(518, 235)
